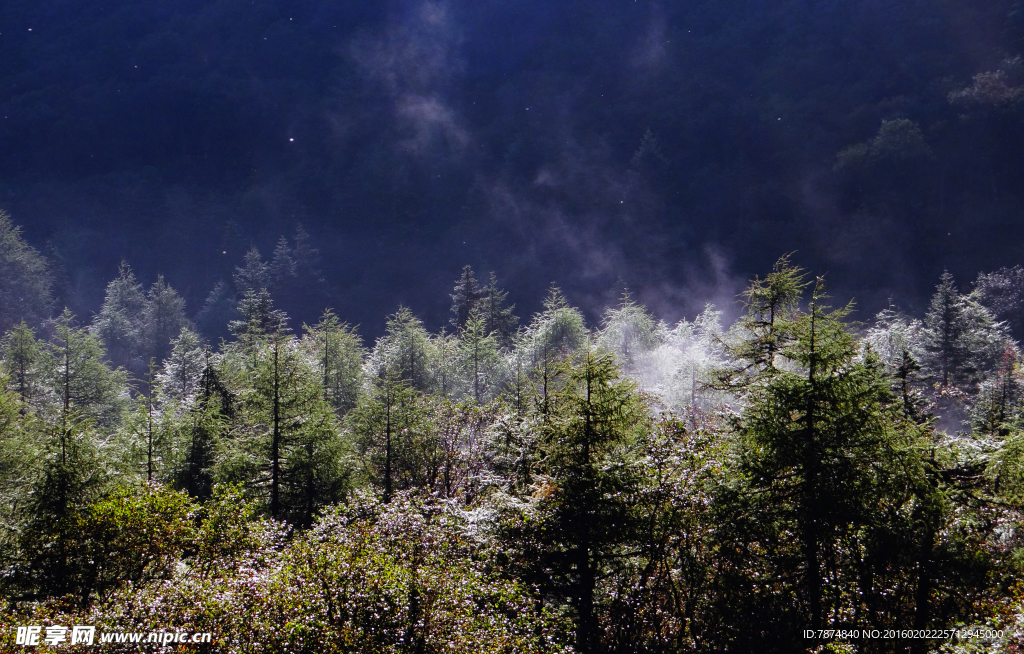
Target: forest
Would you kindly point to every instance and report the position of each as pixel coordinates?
(544, 140)
(785, 483)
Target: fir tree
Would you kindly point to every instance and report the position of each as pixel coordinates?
(218, 311)
(119, 324)
(961, 340)
(22, 357)
(465, 297)
(339, 353)
(80, 382)
(25, 278)
(480, 358)
(405, 350)
(383, 423)
(163, 319)
(181, 376)
(630, 333)
(253, 274)
(498, 317)
(597, 419)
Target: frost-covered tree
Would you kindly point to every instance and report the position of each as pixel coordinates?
(552, 336)
(218, 311)
(119, 324)
(631, 333)
(1002, 293)
(253, 274)
(183, 369)
(898, 342)
(682, 369)
(163, 319)
(961, 339)
(338, 352)
(405, 350)
(465, 296)
(448, 380)
(498, 316)
(25, 279)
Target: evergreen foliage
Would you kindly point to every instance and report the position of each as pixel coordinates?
(25, 279)
(961, 340)
(642, 489)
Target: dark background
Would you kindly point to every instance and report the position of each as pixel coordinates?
(411, 138)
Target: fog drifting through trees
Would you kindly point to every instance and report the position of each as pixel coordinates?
(507, 485)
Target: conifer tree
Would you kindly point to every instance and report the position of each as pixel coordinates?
(218, 311)
(813, 432)
(597, 420)
(253, 274)
(961, 340)
(206, 425)
(448, 380)
(552, 336)
(465, 297)
(339, 352)
(25, 279)
(766, 327)
(480, 358)
(163, 319)
(498, 317)
(22, 357)
(259, 319)
(182, 372)
(119, 324)
(282, 267)
(1002, 293)
(385, 420)
(78, 379)
(630, 333)
(405, 350)
(290, 430)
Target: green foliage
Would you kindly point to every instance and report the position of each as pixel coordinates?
(897, 140)
(582, 517)
(498, 317)
(465, 297)
(77, 379)
(259, 318)
(804, 484)
(552, 336)
(288, 443)
(22, 356)
(386, 423)
(961, 340)
(404, 351)
(481, 362)
(367, 578)
(339, 351)
(767, 326)
(631, 333)
(25, 279)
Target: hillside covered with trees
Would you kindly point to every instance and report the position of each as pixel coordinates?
(656, 142)
(510, 484)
